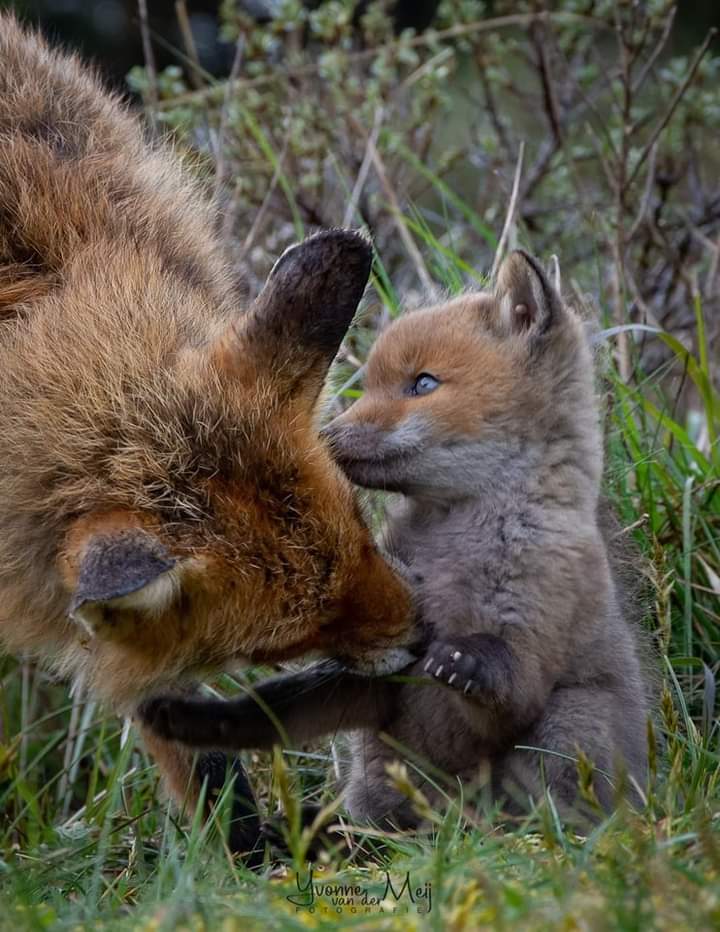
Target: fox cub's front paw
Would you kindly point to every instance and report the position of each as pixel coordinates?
(447, 662)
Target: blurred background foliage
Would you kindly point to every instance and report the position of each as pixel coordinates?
(585, 130)
(454, 129)
(107, 30)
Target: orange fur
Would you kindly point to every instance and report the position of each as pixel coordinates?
(448, 342)
(139, 402)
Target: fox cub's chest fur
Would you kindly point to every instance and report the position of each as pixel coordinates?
(461, 558)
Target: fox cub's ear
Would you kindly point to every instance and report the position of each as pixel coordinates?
(126, 569)
(528, 303)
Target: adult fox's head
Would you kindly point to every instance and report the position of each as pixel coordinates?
(461, 396)
(227, 531)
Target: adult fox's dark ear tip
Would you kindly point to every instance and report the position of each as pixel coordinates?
(346, 236)
(357, 240)
(336, 250)
(308, 303)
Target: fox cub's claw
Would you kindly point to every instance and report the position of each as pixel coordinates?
(448, 662)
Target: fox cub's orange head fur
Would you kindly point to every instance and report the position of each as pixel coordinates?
(457, 393)
(213, 524)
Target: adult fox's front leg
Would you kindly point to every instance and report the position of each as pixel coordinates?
(184, 772)
(293, 708)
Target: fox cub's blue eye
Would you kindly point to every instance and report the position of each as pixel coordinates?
(424, 384)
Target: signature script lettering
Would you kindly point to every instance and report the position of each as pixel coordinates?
(349, 896)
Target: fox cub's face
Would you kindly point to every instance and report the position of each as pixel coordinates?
(246, 539)
(452, 391)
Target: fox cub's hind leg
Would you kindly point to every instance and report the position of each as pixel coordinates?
(184, 774)
(371, 797)
(595, 719)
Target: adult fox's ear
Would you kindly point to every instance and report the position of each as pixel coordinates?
(119, 569)
(297, 323)
(527, 301)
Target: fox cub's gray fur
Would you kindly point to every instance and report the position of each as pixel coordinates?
(482, 412)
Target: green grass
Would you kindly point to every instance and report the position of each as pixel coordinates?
(86, 840)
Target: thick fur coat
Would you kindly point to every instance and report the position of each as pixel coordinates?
(166, 505)
(482, 413)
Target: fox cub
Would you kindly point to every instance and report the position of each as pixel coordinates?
(166, 504)
(482, 413)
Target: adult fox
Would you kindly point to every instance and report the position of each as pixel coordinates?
(165, 503)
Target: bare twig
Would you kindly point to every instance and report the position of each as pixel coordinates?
(25, 714)
(713, 270)
(76, 756)
(649, 64)
(408, 241)
(557, 278)
(220, 144)
(196, 72)
(260, 215)
(364, 168)
(647, 195)
(149, 56)
(548, 149)
(424, 69)
(647, 312)
(72, 733)
(492, 107)
(548, 86)
(159, 40)
(510, 215)
(641, 522)
(427, 38)
(621, 185)
(677, 97)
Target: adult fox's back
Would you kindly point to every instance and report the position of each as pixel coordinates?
(76, 168)
(165, 504)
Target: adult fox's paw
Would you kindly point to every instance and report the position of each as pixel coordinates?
(178, 719)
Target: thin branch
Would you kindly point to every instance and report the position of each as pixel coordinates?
(424, 69)
(647, 194)
(229, 88)
(260, 215)
(408, 241)
(677, 97)
(196, 72)
(713, 270)
(548, 150)
(364, 168)
(428, 38)
(667, 26)
(491, 106)
(557, 278)
(548, 87)
(149, 56)
(510, 215)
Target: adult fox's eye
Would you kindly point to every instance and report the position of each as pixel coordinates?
(424, 384)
